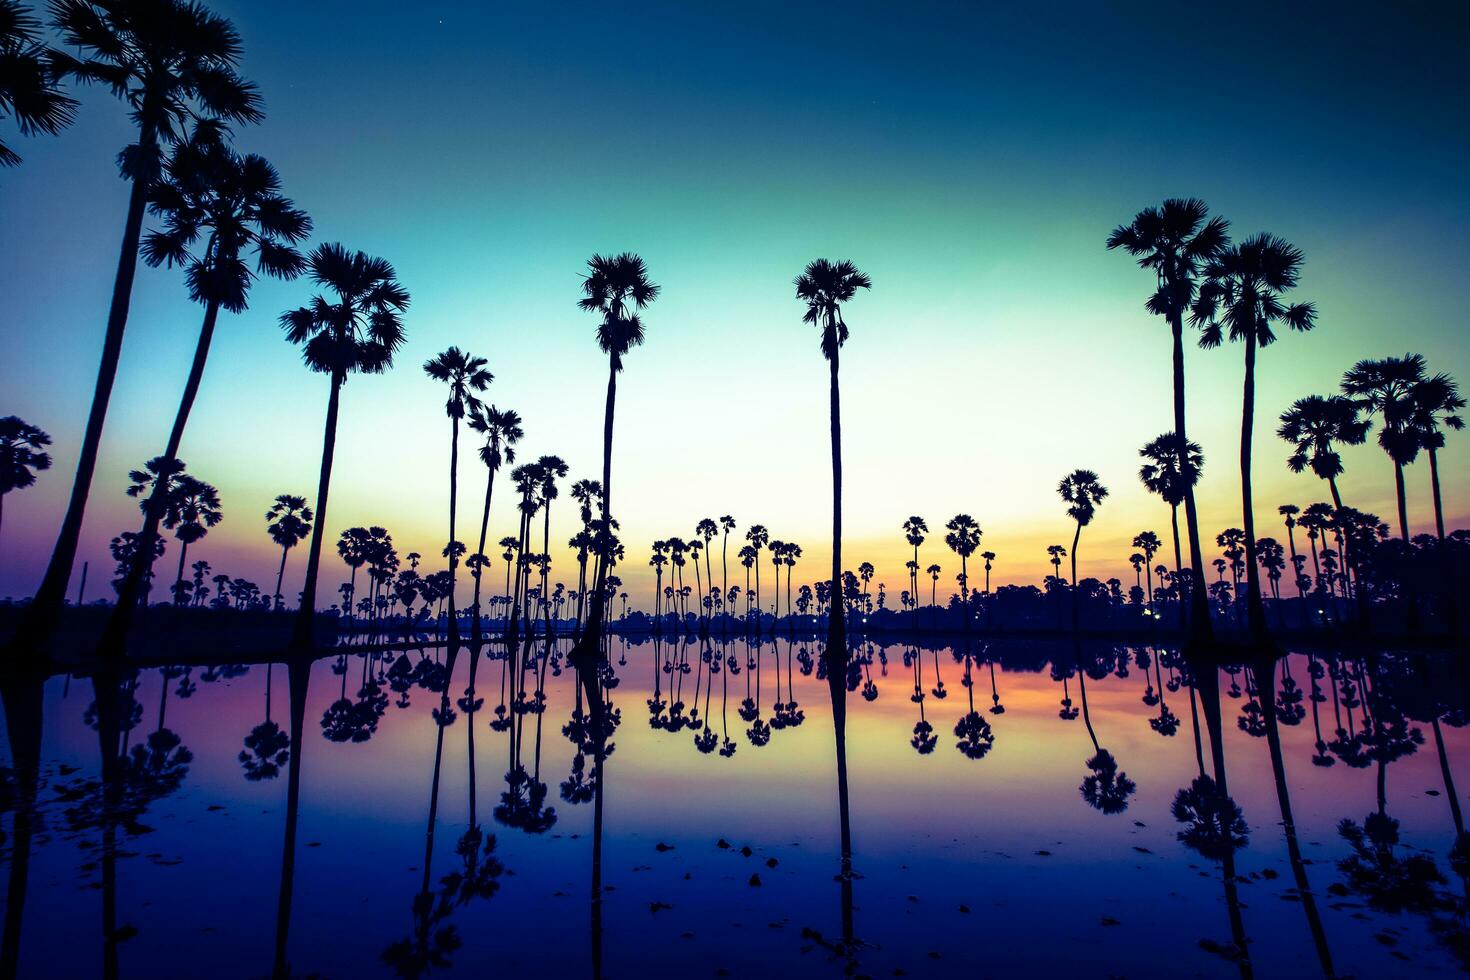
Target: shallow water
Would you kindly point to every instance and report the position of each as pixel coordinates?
(962, 866)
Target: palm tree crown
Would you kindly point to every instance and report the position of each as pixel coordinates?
(21, 453)
(288, 520)
(234, 203)
(1176, 242)
(1316, 426)
(1164, 474)
(502, 430)
(465, 374)
(1385, 388)
(824, 286)
(1082, 491)
(363, 328)
(28, 81)
(1242, 292)
(617, 286)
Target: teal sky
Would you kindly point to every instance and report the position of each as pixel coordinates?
(972, 163)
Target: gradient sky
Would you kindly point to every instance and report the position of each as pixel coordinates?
(971, 162)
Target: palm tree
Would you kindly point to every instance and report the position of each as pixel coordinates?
(1386, 388)
(1082, 492)
(169, 60)
(706, 530)
(1148, 542)
(289, 522)
(354, 547)
(502, 430)
(989, 557)
(914, 530)
(233, 203)
(22, 455)
(192, 508)
(551, 469)
(356, 334)
(758, 536)
(1176, 242)
(1436, 401)
(585, 493)
(933, 572)
(465, 375)
(1288, 513)
(1172, 474)
(824, 286)
(29, 89)
(727, 524)
(615, 288)
(1316, 426)
(963, 538)
(1243, 292)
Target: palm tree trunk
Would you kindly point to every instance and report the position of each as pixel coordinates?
(587, 648)
(1398, 484)
(1434, 488)
(306, 614)
(179, 578)
(281, 575)
(298, 674)
(1076, 537)
(836, 625)
(41, 613)
(453, 509)
(1255, 611)
(23, 700)
(1199, 609)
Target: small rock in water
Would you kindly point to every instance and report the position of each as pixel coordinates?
(1108, 920)
(964, 909)
(746, 851)
(755, 881)
(723, 845)
(657, 907)
(1045, 854)
(661, 847)
(771, 862)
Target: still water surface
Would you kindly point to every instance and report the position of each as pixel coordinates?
(1013, 846)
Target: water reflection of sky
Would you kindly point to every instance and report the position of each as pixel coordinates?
(952, 881)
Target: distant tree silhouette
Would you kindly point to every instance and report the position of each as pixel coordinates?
(168, 60)
(1169, 473)
(1288, 513)
(914, 530)
(501, 430)
(30, 92)
(192, 509)
(1082, 492)
(1242, 294)
(963, 538)
(989, 557)
(824, 286)
(1149, 544)
(466, 376)
(22, 454)
(1179, 244)
(289, 522)
(357, 333)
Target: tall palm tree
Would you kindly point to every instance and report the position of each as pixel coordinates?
(727, 524)
(1147, 542)
(1288, 513)
(706, 529)
(22, 455)
(1436, 402)
(963, 538)
(914, 530)
(1172, 474)
(193, 508)
(501, 430)
(1385, 388)
(758, 536)
(1316, 426)
(354, 547)
(355, 334)
(169, 61)
(288, 522)
(824, 286)
(466, 376)
(586, 493)
(233, 203)
(1176, 242)
(989, 557)
(1082, 492)
(1243, 290)
(551, 469)
(615, 288)
(29, 88)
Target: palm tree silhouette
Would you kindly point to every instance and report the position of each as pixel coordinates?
(1316, 426)
(501, 430)
(465, 375)
(22, 455)
(288, 522)
(1243, 291)
(356, 334)
(989, 557)
(1171, 474)
(1288, 513)
(824, 286)
(1436, 403)
(192, 508)
(758, 536)
(727, 524)
(354, 547)
(1149, 544)
(169, 61)
(1385, 388)
(963, 538)
(232, 202)
(914, 530)
(29, 89)
(1082, 492)
(1178, 244)
(616, 288)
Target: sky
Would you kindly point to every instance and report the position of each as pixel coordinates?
(971, 161)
